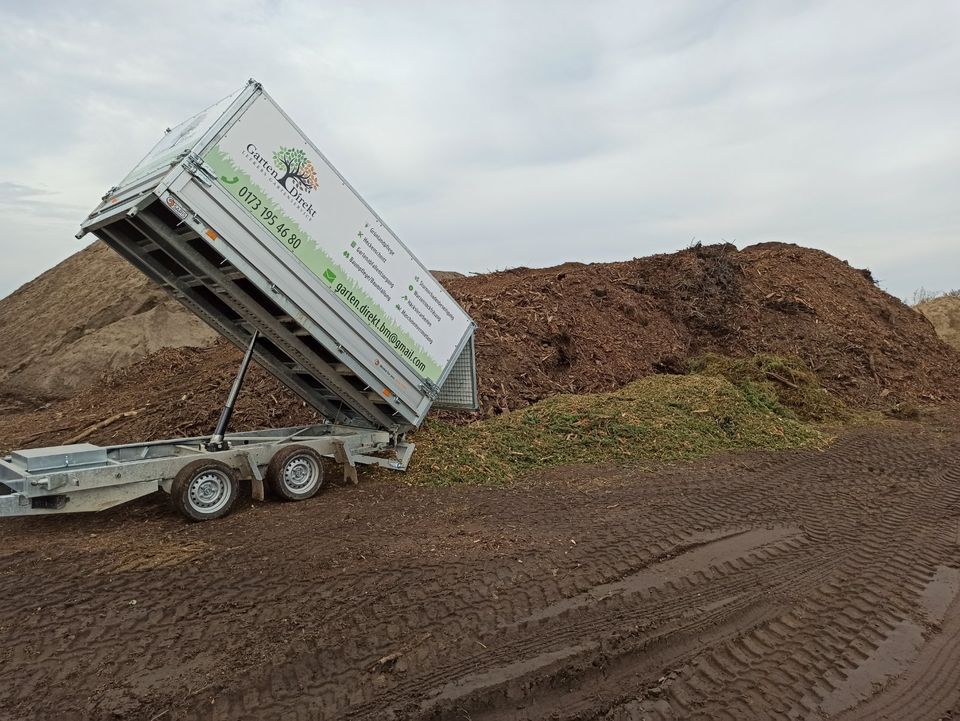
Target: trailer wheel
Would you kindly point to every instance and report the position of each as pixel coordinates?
(204, 489)
(295, 473)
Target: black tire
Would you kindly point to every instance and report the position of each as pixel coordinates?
(204, 489)
(295, 473)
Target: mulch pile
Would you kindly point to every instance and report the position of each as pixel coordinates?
(176, 392)
(574, 328)
(586, 328)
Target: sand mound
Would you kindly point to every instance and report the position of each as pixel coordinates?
(93, 312)
(944, 313)
(576, 329)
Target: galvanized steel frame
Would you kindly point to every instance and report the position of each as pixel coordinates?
(133, 470)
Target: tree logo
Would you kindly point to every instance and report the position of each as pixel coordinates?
(298, 172)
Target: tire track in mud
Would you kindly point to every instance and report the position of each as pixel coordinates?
(929, 688)
(833, 650)
(759, 586)
(635, 618)
(534, 650)
(789, 669)
(287, 691)
(340, 670)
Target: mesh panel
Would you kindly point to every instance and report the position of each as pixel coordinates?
(459, 390)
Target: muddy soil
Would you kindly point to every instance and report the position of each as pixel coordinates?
(792, 585)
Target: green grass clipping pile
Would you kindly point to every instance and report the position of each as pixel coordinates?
(722, 405)
(784, 385)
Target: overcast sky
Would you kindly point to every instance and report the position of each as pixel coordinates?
(490, 135)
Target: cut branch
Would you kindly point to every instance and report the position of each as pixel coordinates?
(780, 379)
(90, 430)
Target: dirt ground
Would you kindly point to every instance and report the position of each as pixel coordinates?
(790, 585)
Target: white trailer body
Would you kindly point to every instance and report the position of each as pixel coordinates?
(239, 216)
(242, 219)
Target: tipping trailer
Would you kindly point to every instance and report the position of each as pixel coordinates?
(242, 219)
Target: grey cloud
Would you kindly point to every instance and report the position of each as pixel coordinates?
(19, 198)
(14, 192)
(495, 134)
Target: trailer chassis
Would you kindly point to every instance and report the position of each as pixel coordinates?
(202, 474)
(85, 477)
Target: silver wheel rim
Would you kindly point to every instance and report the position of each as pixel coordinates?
(301, 474)
(209, 492)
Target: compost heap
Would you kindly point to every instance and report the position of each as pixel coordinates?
(92, 313)
(944, 313)
(573, 328)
